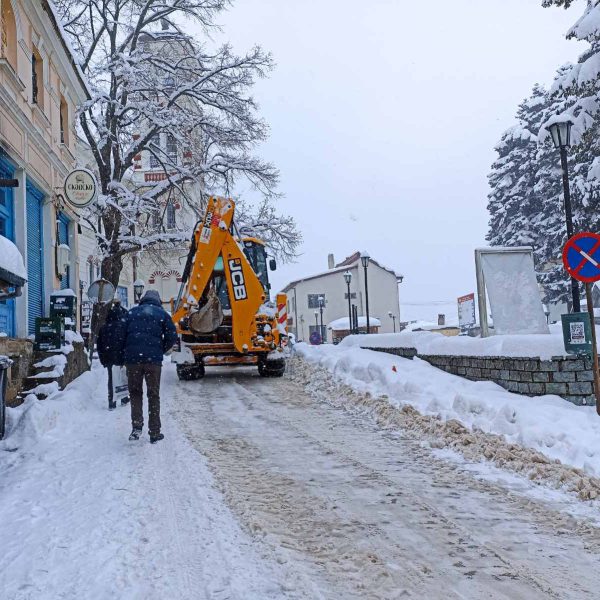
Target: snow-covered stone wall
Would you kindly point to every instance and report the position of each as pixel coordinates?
(567, 376)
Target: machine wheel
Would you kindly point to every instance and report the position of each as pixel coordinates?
(190, 372)
(271, 368)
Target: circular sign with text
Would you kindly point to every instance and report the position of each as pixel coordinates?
(80, 188)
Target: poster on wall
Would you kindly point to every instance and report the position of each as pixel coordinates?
(466, 311)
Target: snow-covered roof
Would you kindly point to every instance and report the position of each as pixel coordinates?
(11, 263)
(68, 292)
(343, 324)
(351, 262)
(316, 276)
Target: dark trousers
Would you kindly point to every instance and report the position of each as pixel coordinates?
(136, 374)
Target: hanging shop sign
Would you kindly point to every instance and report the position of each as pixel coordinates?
(80, 188)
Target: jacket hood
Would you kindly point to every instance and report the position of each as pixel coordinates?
(115, 313)
(151, 297)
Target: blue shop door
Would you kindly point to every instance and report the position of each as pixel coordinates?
(35, 257)
(63, 238)
(7, 229)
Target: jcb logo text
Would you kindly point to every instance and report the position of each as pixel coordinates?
(237, 279)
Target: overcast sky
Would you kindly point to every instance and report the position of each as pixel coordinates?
(384, 115)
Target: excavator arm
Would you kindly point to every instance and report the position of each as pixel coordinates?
(213, 239)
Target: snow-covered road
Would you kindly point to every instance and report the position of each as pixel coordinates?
(261, 492)
(361, 513)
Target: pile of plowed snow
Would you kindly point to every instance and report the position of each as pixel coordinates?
(546, 438)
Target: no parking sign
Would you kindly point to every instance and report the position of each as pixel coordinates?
(581, 257)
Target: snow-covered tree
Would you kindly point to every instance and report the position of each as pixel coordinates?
(578, 88)
(526, 202)
(198, 96)
(513, 203)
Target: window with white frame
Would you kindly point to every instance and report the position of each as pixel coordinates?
(313, 300)
(170, 215)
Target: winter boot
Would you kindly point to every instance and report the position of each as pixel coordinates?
(156, 437)
(124, 400)
(135, 434)
(112, 405)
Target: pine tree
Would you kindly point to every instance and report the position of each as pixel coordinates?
(526, 199)
(512, 201)
(550, 219)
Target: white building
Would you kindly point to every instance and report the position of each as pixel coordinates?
(303, 297)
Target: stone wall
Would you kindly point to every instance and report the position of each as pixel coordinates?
(567, 376)
(20, 351)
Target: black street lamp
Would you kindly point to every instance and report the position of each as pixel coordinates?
(317, 325)
(364, 259)
(393, 317)
(348, 280)
(561, 136)
(321, 306)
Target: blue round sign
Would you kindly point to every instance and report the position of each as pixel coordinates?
(315, 338)
(581, 257)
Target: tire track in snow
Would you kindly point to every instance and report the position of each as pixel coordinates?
(263, 436)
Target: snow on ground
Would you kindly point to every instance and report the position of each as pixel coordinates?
(88, 514)
(364, 511)
(550, 425)
(539, 345)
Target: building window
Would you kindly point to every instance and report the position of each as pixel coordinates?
(34, 79)
(122, 294)
(171, 148)
(154, 148)
(352, 295)
(154, 162)
(37, 78)
(64, 121)
(8, 34)
(313, 300)
(169, 84)
(170, 216)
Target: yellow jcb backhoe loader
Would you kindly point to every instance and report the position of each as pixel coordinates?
(223, 314)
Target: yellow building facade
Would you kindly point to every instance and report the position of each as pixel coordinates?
(40, 87)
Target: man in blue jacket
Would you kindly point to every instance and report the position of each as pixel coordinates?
(150, 333)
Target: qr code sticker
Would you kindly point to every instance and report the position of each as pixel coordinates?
(577, 333)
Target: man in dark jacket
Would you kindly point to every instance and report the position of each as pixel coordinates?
(110, 345)
(150, 333)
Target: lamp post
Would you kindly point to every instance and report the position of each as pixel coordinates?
(317, 323)
(561, 136)
(138, 290)
(393, 317)
(348, 280)
(364, 259)
(321, 306)
(546, 312)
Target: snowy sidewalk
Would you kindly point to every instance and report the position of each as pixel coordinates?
(88, 514)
